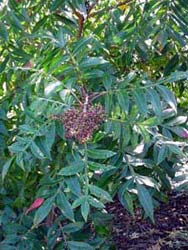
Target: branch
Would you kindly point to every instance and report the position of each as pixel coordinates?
(81, 20)
(110, 8)
(80, 26)
(91, 7)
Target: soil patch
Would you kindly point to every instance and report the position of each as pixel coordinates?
(170, 231)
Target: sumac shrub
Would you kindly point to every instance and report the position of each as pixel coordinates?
(93, 106)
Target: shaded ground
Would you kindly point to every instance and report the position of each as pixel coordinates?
(169, 232)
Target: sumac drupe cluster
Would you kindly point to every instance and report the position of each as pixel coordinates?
(80, 123)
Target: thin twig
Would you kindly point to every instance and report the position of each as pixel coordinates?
(80, 27)
(110, 8)
(113, 91)
(81, 20)
(91, 7)
(86, 169)
(50, 100)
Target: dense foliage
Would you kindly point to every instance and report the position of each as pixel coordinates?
(93, 105)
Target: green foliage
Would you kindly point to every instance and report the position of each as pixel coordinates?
(58, 55)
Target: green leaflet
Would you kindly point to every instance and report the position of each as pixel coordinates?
(145, 200)
(100, 154)
(107, 81)
(78, 202)
(55, 4)
(18, 147)
(171, 64)
(117, 129)
(95, 203)
(150, 122)
(74, 185)
(81, 44)
(95, 73)
(174, 77)
(65, 206)
(155, 101)
(6, 167)
(50, 135)
(180, 131)
(92, 61)
(176, 36)
(168, 96)
(146, 180)
(41, 143)
(108, 104)
(140, 99)
(176, 150)
(95, 166)
(3, 64)
(164, 178)
(72, 170)
(85, 208)
(123, 100)
(126, 198)
(126, 135)
(3, 32)
(163, 153)
(145, 133)
(75, 245)
(100, 193)
(14, 20)
(131, 76)
(3, 129)
(73, 227)
(36, 151)
(176, 121)
(43, 211)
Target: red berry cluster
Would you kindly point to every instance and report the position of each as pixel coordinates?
(80, 123)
